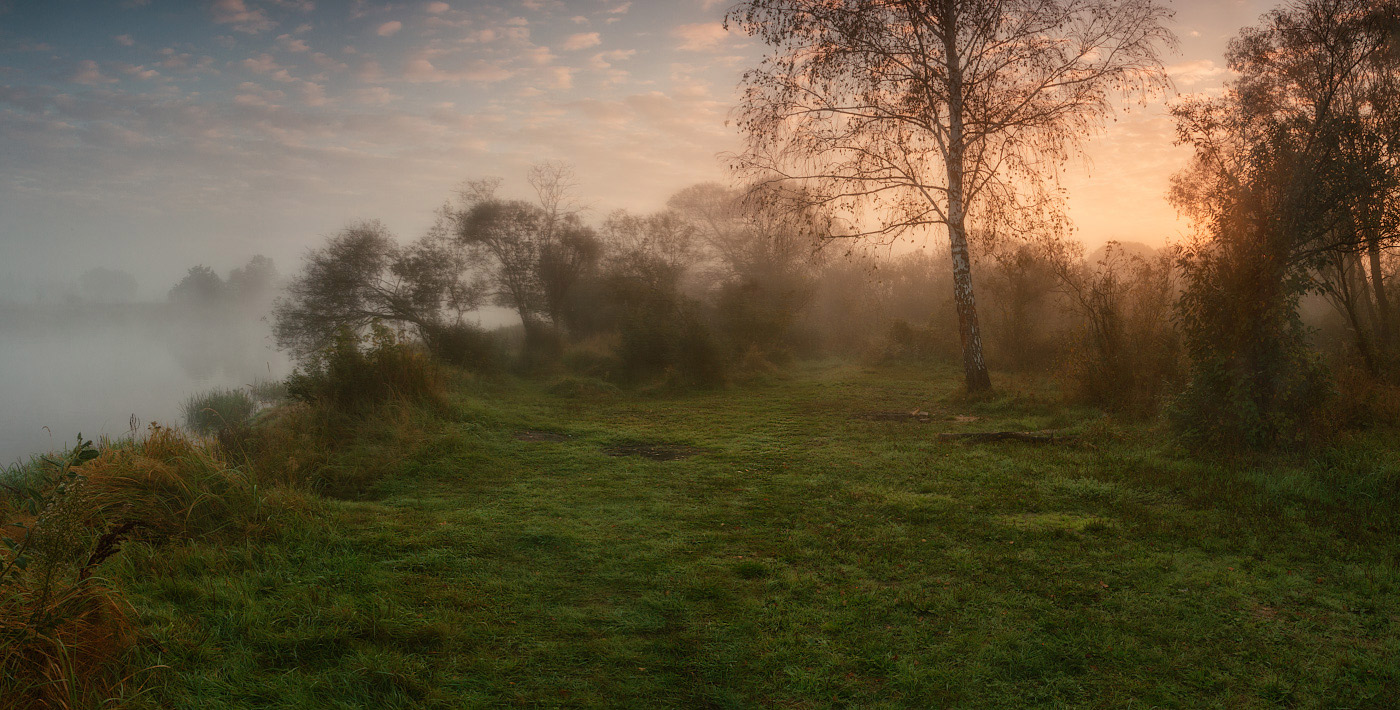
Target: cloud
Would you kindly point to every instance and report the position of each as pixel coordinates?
(700, 37)
(436, 8)
(376, 96)
(420, 70)
(560, 77)
(389, 28)
(1195, 73)
(582, 40)
(540, 56)
(89, 73)
(370, 72)
(621, 9)
(266, 65)
(605, 60)
(329, 63)
(251, 94)
(292, 44)
(313, 94)
(237, 14)
(124, 40)
(138, 71)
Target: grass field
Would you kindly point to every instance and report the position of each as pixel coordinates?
(516, 551)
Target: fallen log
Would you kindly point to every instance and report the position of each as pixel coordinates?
(1034, 437)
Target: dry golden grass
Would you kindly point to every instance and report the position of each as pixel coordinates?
(64, 632)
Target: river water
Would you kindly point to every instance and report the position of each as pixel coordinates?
(66, 370)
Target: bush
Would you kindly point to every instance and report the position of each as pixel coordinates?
(1020, 307)
(354, 372)
(665, 336)
(1253, 383)
(465, 346)
(1123, 353)
(594, 357)
(904, 341)
(218, 410)
(268, 392)
(760, 315)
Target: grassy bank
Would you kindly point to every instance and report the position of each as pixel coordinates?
(771, 545)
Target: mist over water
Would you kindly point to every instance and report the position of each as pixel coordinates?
(89, 369)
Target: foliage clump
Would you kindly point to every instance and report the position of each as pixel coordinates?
(356, 371)
(218, 409)
(64, 631)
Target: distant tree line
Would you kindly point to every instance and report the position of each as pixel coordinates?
(253, 285)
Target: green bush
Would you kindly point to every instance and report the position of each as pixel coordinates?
(1253, 382)
(465, 346)
(669, 336)
(594, 357)
(355, 371)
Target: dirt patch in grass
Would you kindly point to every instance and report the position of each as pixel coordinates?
(655, 451)
(535, 436)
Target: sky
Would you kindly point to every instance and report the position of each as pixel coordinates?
(153, 135)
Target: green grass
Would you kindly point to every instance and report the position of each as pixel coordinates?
(221, 408)
(809, 558)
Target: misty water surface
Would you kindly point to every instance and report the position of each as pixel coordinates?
(89, 369)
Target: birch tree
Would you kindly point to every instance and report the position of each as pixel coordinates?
(907, 114)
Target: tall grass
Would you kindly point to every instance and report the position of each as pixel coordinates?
(64, 631)
(209, 412)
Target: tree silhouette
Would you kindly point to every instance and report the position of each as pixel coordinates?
(363, 276)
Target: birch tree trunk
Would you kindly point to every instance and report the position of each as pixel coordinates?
(974, 366)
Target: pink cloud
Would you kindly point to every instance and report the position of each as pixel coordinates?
(582, 40)
(700, 37)
(236, 13)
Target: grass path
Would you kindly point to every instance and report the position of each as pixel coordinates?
(807, 559)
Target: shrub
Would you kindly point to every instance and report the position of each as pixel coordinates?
(666, 336)
(756, 314)
(1020, 305)
(1253, 383)
(594, 357)
(1123, 352)
(465, 346)
(904, 341)
(353, 372)
(218, 410)
(268, 392)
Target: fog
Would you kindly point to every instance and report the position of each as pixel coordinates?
(71, 369)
